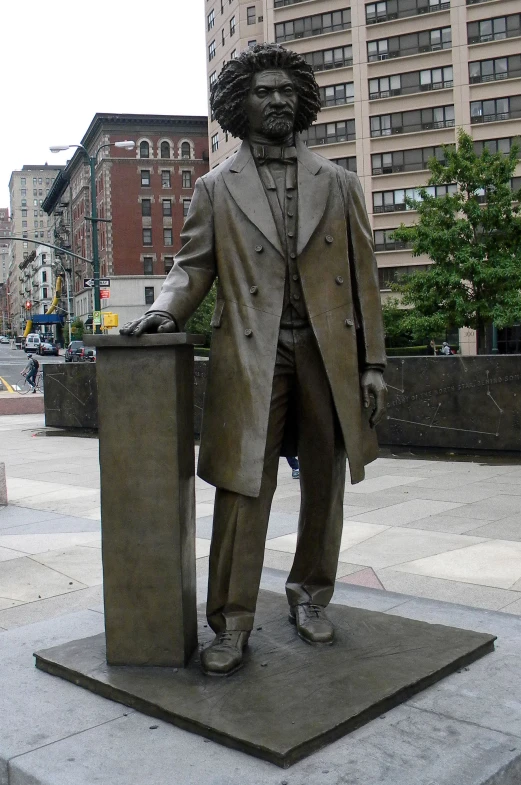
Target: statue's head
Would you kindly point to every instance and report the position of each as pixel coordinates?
(269, 86)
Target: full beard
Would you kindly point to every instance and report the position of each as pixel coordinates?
(276, 127)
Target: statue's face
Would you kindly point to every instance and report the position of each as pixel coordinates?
(271, 104)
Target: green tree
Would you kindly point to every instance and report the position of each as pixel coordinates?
(199, 322)
(473, 237)
(77, 329)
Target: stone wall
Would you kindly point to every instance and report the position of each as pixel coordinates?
(468, 403)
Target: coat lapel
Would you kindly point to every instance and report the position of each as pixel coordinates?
(313, 193)
(244, 184)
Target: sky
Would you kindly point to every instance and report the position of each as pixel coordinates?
(62, 62)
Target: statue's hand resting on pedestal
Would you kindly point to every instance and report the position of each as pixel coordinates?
(372, 383)
(152, 322)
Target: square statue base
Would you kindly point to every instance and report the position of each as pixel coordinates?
(290, 698)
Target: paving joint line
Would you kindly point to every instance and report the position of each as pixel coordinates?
(410, 703)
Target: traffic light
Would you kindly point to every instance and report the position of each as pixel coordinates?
(28, 305)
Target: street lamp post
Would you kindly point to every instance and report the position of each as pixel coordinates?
(93, 159)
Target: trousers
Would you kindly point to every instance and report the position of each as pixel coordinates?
(300, 390)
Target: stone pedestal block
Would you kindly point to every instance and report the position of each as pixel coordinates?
(145, 408)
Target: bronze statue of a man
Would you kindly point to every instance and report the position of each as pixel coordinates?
(297, 345)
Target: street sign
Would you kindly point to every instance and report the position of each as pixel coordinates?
(104, 294)
(88, 283)
(96, 317)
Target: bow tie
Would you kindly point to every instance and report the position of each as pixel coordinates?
(265, 153)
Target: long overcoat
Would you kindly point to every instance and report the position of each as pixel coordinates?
(230, 234)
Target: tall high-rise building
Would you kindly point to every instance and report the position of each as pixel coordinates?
(398, 78)
(28, 188)
(5, 231)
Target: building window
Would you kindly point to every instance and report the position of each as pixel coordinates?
(496, 146)
(169, 263)
(250, 15)
(44, 273)
(186, 151)
(23, 192)
(146, 207)
(211, 50)
(493, 70)
(211, 19)
(186, 206)
(398, 9)
(333, 95)
(148, 265)
(24, 224)
(166, 180)
(213, 78)
(215, 142)
(348, 163)
(44, 292)
(167, 207)
(22, 181)
(252, 42)
(411, 82)
(328, 133)
(384, 241)
(409, 44)
(145, 178)
(232, 26)
(24, 213)
(147, 236)
(233, 54)
(313, 25)
(144, 150)
(389, 275)
(325, 59)
(165, 150)
(149, 295)
(495, 109)
(406, 160)
(167, 237)
(394, 201)
(410, 122)
(187, 179)
(494, 29)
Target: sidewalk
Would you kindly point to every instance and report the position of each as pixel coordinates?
(443, 530)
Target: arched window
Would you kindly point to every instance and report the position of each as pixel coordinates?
(144, 150)
(165, 149)
(185, 150)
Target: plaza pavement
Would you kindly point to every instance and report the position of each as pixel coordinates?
(446, 530)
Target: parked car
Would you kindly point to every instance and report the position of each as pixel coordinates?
(77, 352)
(48, 348)
(32, 342)
(4, 339)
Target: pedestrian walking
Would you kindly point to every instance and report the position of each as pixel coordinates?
(30, 371)
(295, 469)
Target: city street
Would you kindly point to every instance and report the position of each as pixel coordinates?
(13, 361)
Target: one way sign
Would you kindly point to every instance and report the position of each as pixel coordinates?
(88, 283)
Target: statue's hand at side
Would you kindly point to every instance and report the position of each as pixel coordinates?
(373, 384)
(150, 323)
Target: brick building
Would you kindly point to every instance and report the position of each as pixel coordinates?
(5, 231)
(143, 195)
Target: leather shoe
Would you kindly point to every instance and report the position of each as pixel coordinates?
(313, 626)
(224, 654)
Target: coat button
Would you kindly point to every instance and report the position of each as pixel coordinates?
(254, 289)
(296, 296)
(259, 248)
(329, 239)
(248, 333)
(348, 322)
(339, 280)
(295, 277)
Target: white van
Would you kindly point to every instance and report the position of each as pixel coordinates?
(32, 342)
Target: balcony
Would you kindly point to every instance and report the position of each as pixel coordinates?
(408, 12)
(390, 208)
(409, 129)
(410, 90)
(413, 50)
(494, 118)
(485, 39)
(494, 77)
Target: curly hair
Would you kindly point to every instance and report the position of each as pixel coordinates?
(230, 90)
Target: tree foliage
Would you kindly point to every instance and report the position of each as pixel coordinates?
(473, 237)
(199, 322)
